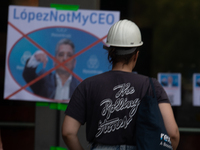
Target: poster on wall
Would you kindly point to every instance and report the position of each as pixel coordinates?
(171, 83)
(49, 52)
(196, 89)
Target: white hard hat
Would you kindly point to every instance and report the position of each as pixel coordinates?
(124, 33)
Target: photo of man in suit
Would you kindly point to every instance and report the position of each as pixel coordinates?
(58, 85)
(169, 81)
(198, 82)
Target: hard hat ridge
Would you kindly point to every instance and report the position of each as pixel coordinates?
(124, 33)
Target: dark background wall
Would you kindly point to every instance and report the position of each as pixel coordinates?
(170, 31)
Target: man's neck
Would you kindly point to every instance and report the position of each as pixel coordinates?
(120, 66)
(63, 77)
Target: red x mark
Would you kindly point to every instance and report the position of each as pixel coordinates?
(59, 63)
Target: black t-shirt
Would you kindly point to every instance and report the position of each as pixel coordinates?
(108, 104)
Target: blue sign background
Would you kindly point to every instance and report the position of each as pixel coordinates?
(47, 38)
(164, 79)
(197, 80)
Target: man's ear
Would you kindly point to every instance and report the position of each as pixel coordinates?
(135, 57)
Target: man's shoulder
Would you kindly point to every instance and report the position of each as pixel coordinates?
(49, 77)
(75, 80)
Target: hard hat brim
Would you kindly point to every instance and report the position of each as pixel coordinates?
(121, 45)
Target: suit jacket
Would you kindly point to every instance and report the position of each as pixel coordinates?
(45, 87)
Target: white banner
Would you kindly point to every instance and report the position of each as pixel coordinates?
(171, 82)
(34, 60)
(196, 89)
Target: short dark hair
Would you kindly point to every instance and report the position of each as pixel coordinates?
(67, 42)
(113, 58)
